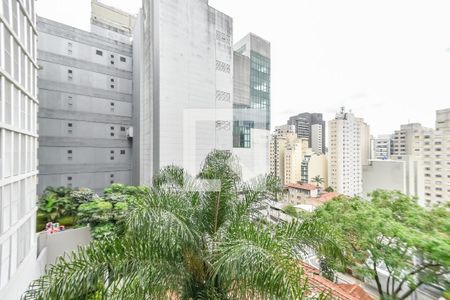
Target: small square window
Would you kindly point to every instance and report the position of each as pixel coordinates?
(111, 158)
(112, 175)
(112, 86)
(112, 55)
(112, 103)
(69, 124)
(112, 181)
(112, 133)
(112, 62)
(98, 52)
(69, 178)
(112, 151)
(112, 127)
(112, 79)
(122, 128)
(123, 59)
(70, 71)
(69, 185)
(69, 45)
(69, 151)
(122, 151)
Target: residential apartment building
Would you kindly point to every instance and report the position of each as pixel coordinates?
(18, 147)
(286, 154)
(183, 87)
(251, 105)
(85, 89)
(409, 140)
(310, 126)
(313, 165)
(436, 160)
(348, 151)
(381, 147)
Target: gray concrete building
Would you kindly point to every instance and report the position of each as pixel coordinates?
(85, 89)
(18, 147)
(310, 126)
(183, 85)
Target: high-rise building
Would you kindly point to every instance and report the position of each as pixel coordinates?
(85, 91)
(310, 126)
(409, 140)
(183, 85)
(348, 150)
(381, 147)
(286, 154)
(18, 147)
(251, 104)
(436, 160)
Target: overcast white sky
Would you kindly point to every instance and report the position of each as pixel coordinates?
(387, 60)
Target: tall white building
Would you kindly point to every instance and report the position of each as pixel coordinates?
(436, 160)
(183, 85)
(348, 151)
(317, 142)
(18, 146)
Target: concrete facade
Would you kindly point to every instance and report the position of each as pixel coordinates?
(85, 88)
(18, 146)
(255, 161)
(404, 175)
(286, 154)
(185, 87)
(348, 151)
(381, 147)
(313, 165)
(436, 160)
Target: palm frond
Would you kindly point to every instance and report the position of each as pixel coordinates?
(252, 263)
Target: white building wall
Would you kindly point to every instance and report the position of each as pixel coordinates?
(316, 138)
(190, 64)
(18, 146)
(255, 160)
(345, 154)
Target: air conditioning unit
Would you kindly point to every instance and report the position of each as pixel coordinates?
(130, 132)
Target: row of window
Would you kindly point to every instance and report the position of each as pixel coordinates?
(16, 200)
(111, 56)
(70, 180)
(18, 155)
(14, 250)
(19, 110)
(21, 26)
(16, 63)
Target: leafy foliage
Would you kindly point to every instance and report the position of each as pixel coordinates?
(391, 232)
(318, 180)
(329, 189)
(189, 238)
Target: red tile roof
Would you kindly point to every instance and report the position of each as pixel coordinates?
(325, 197)
(303, 186)
(319, 284)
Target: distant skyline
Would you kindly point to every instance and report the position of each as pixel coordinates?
(387, 61)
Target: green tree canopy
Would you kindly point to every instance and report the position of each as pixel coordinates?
(391, 232)
(192, 238)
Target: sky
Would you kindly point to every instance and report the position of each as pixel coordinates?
(387, 60)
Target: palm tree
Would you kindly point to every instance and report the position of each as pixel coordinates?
(318, 180)
(192, 238)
